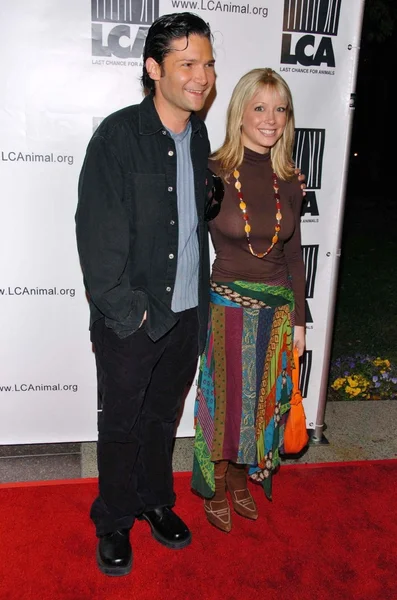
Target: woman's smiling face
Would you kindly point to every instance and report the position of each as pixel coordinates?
(264, 120)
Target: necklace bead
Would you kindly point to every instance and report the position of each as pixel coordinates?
(243, 208)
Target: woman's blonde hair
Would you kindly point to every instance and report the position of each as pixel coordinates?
(230, 155)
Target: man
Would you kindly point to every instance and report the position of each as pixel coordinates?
(143, 247)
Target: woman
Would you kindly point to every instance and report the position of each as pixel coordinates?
(257, 310)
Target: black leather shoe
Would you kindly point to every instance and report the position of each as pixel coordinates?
(167, 527)
(114, 553)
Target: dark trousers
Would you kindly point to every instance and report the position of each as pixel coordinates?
(141, 385)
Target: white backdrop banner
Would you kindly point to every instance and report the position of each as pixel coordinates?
(67, 65)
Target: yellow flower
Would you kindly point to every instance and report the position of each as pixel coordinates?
(353, 391)
(338, 383)
(352, 381)
(379, 362)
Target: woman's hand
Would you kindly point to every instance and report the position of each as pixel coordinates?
(301, 178)
(299, 338)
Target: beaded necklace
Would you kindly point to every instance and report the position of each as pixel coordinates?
(243, 208)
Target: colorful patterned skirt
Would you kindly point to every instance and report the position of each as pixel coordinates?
(244, 385)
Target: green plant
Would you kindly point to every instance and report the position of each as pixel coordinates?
(362, 377)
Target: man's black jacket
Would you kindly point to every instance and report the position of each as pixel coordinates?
(127, 221)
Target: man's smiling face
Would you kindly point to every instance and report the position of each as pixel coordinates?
(186, 77)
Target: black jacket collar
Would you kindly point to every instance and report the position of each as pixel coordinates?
(149, 120)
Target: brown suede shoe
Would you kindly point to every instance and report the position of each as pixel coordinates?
(243, 502)
(218, 514)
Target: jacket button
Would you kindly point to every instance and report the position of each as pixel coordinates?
(170, 188)
(170, 153)
(164, 132)
(168, 289)
(171, 256)
(172, 222)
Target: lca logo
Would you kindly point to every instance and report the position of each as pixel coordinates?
(310, 207)
(318, 20)
(308, 155)
(119, 27)
(310, 258)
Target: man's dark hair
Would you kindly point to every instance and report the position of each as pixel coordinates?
(163, 31)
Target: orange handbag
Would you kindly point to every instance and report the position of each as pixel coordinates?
(295, 432)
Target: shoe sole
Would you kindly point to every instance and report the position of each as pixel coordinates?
(218, 527)
(113, 571)
(172, 545)
(164, 541)
(250, 517)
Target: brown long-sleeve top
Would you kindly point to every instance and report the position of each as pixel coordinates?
(233, 260)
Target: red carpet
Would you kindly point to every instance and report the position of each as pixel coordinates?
(330, 533)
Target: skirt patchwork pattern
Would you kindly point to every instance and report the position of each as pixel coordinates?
(244, 385)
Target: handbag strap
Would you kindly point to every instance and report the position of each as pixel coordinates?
(295, 372)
